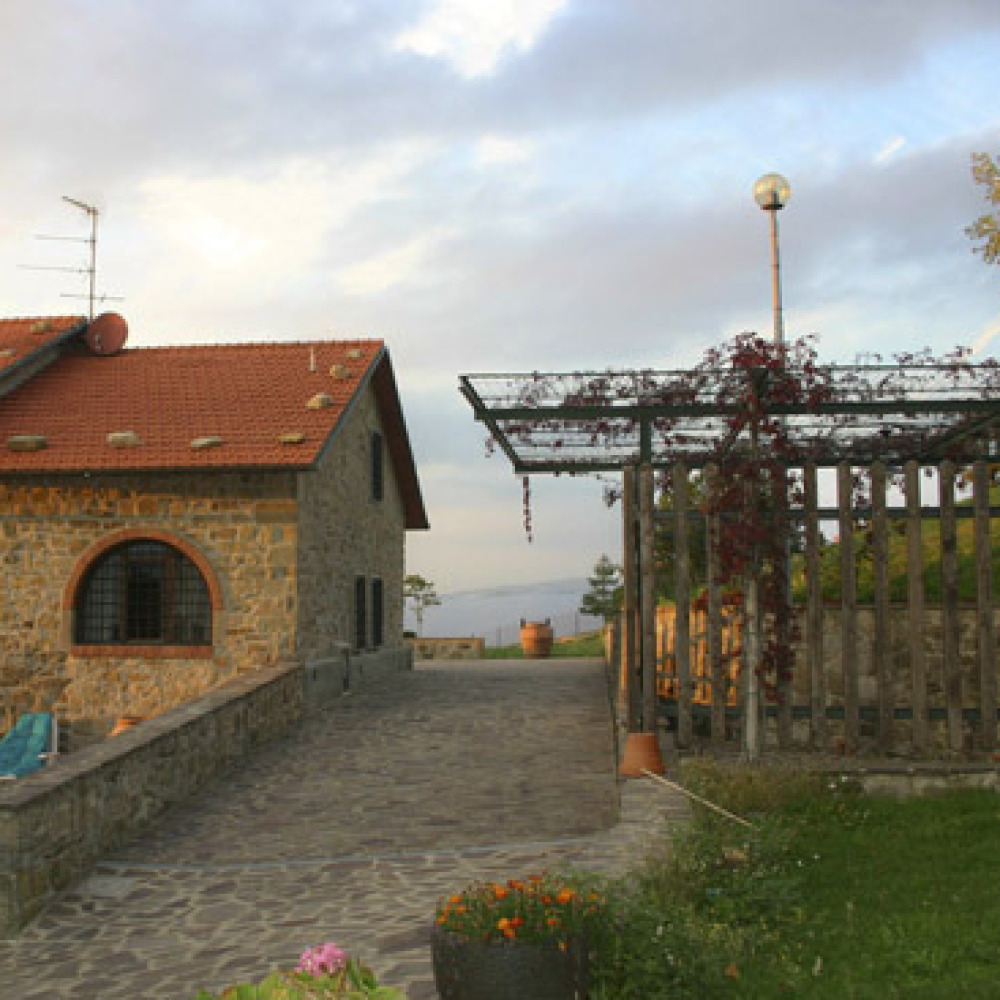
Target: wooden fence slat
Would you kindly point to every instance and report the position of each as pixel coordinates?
(848, 608)
(986, 631)
(682, 598)
(880, 640)
(714, 623)
(952, 668)
(815, 668)
(784, 630)
(916, 624)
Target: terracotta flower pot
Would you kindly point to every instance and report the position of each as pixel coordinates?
(468, 969)
(126, 722)
(536, 639)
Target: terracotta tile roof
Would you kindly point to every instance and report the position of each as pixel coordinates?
(248, 396)
(20, 338)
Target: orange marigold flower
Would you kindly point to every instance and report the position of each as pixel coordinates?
(443, 919)
(499, 892)
(454, 899)
(518, 921)
(510, 932)
(503, 923)
(565, 896)
(546, 900)
(515, 884)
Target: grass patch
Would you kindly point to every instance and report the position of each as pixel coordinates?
(836, 894)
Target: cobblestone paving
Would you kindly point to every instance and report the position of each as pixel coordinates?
(350, 831)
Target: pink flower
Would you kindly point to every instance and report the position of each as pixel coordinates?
(322, 959)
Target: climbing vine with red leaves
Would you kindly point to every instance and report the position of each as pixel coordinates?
(755, 450)
(754, 486)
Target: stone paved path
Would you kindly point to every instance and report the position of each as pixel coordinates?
(350, 831)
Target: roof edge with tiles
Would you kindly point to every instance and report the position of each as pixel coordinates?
(22, 363)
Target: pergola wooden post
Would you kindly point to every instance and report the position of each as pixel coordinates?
(642, 748)
(631, 661)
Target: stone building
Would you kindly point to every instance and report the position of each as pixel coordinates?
(171, 517)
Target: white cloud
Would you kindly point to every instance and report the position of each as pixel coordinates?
(890, 149)
(381, 271)
(473, 35)
(493, 149)
(230, 221)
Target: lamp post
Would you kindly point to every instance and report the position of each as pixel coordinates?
(772, 192)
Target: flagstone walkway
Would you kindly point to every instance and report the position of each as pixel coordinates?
(349, 831)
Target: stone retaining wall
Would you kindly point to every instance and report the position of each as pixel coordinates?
(448, 649)
(56, 823)
(334, 676)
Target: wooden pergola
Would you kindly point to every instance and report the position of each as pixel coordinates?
(890, 417)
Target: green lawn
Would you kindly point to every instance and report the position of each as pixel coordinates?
(837, 895)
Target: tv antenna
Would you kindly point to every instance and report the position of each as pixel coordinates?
(90, 270)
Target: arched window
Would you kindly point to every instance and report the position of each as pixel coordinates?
(143, 592)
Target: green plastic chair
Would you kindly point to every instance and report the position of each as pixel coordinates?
(29, 745)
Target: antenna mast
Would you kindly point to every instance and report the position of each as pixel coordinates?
(91, 210)
(91, 269)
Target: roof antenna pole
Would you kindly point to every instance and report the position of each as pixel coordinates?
(92, 270)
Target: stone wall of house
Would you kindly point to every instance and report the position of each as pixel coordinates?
(343, 534)
(55, 823)
(245, 525)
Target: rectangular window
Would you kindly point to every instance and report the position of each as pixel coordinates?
(360, 614)
(378, 628)
(378, 477)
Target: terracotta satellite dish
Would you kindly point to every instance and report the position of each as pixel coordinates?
(107, 334)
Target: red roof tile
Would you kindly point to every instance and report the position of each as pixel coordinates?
(19, 338)
(247, 395)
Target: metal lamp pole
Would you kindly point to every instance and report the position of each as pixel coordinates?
(771, 192)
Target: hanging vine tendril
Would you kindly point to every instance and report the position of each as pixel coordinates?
(526, 507)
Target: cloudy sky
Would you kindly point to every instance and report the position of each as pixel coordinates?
(503, 185)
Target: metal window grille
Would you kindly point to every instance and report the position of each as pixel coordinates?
(144, 592)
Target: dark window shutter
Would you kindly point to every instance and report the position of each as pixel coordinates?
(378, 628)
(360, 614)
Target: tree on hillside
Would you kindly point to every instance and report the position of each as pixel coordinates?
(421, 595)
(986, 171)
(604, 597)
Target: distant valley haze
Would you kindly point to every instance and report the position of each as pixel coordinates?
(494, 613)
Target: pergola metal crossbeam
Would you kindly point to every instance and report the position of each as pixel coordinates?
(605, 421)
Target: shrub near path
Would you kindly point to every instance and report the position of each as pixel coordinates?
(834, 895)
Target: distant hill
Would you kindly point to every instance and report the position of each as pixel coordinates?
(495, 613)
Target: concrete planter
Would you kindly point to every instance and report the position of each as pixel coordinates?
(466, 969)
